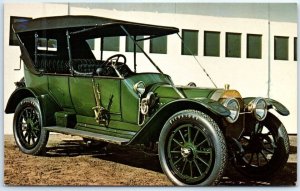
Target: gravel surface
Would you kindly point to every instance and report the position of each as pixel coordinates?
(69, 162)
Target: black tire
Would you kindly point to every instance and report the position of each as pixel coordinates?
(266, 149)
(29, 134)
(192, 149)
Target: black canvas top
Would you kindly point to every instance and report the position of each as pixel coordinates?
(92, 24)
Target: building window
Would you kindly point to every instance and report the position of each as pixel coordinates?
(130, 44)
(111, 43)
(48, 45)
(91, 43)
(211, 43)
(281, 48)
(158, 45)
(12, 37)
(190, 42)
(254, 46)
(295, 49)
(233, 45)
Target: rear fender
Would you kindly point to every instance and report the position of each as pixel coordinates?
(277, 106)
(47, 103)
(151, 130)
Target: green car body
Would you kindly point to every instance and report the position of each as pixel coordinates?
(73, 93)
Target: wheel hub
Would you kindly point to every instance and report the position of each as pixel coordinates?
(186, 152)
(256, 144)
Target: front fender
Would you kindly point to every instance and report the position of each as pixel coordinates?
(150, 131)
(47, 103)
(277, 106)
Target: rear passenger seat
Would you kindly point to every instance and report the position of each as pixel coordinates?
(61, 66)
(52, 65)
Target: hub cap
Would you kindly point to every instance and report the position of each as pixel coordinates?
(190, 153)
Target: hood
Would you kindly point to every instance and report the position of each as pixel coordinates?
(167, 91)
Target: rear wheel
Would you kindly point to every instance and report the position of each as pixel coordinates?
(266, 149)
(29, 133)
(192, 149)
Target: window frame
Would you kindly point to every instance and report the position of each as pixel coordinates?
(227, 46)
(105, 40)
(247, 46)
(184, 45)
(141, 43)
(205, 53)
(163, 50)
(277, 57)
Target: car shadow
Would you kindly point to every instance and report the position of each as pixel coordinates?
(71, 148)
(136, 157)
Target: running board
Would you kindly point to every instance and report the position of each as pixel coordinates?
(89, 135)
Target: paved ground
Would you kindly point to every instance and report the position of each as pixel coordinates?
(69, 162)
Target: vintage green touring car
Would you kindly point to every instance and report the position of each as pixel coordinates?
(65, 89)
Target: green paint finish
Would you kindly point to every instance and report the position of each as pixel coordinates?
(35, 81)
(48, 107)
(192, 92)
(92, 129)
(167, 91)
(149, 79)
(129, 102)
(113, 124)
(59, 89)
(130, 99)
(83, 98)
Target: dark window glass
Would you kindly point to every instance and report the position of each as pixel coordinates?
(295, 49)
(158, 45)
(281, 48)
(12, 37)
(47, 45)
(233, 45)
(211, 43)
(190, 42)
(130, 43)
(111, 43)
(91, 43)
(253, 46)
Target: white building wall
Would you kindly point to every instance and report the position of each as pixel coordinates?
(249, 76)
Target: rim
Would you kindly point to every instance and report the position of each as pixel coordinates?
(28, 127)
(259, 146)
(189, 153)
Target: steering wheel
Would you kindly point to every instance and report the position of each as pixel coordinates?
(114, 60)
(112, 63)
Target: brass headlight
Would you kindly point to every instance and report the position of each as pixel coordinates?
(233, 106)
(259, 108)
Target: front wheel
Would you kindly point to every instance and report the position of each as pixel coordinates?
(28, 130)
(266, 149)
(192, 149)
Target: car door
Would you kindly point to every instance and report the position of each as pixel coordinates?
(84, 97)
